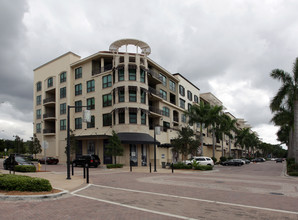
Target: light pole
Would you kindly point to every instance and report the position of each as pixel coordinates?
(156, 132)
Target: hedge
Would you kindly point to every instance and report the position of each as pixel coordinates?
(9, 182)
(203, 167)
(181, 165)
(109, 166)
(25, 168)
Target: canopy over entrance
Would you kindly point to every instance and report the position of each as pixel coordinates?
(136, 138)
(114, 47)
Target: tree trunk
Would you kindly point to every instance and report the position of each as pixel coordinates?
(213, 143)
(115, 159)
(295, 142)
(290, 145)
(201, 138)
(222, 147)
(229, 147)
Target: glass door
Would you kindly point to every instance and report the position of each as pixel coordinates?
(133, 155)
(144, 155)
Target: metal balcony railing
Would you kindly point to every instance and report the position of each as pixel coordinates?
(155, 110)
(47, 100)
(48, 131)
(49, 115)
(155, 92)
(102, 69)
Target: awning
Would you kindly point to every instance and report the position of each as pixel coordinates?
(136, 138)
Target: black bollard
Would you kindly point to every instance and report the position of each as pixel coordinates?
(72, 169)
(150, 166)
(130, 167)
(172, 168)
(87, 167)
(84, 172)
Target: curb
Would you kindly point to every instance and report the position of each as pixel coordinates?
(32, 197)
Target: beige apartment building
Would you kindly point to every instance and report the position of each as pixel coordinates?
(125, 92)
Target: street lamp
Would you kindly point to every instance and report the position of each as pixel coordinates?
(156, 132)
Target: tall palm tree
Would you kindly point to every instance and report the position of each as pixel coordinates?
(214, 118)
(228, 125)
(287, 93)
(242, 138)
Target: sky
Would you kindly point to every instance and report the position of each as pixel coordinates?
(226, 47)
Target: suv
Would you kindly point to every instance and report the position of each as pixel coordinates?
(201, 161)
(91, 160)
(18, 160)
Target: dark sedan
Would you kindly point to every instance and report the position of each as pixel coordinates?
(50, 160)
(233, 162)
(18, 160)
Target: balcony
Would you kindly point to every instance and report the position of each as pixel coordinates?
(155, 92)
(49, 100)
(49, 116)
(156, 111)
(49, 131)
(153, 76)
(103, 69)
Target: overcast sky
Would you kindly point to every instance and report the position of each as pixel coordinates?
(226, 47)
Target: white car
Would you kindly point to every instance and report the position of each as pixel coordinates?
(201, 160)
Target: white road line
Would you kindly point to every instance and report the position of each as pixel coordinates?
(200, 200)
(78, 190)
(136, 208)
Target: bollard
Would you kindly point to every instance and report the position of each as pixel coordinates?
(72, 169)
(130, 167)
(87, 167)
(150, 166)
(84, 172)
(38, 166)
(172, 167)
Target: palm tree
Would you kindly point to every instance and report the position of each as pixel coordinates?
(242, 138)
(214, 118)
(287, 95)
(227, 126)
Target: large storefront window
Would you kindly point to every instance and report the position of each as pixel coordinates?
(133, 155)
(144, 155)
(91, 147)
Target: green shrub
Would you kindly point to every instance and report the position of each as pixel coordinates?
(109, 166)
(25, 168)
(181, 165)
(223, 159)
(293, 173)
(9, 182)
(203, 167)
(214, 159)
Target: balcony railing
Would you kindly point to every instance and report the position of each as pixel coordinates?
(154, 74)
(51, 99)
(49, 115)
(102, 69)
(155, 92)
(48, 131)
(155, 110)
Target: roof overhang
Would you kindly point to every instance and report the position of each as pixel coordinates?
(136, 138)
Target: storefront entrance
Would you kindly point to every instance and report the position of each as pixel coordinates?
(133, 155)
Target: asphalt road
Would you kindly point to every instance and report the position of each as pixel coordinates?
(253, 191)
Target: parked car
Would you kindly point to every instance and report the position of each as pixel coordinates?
(258, 160)
(201, 160)
(50, 160)
(18, 160)
(245, 160)
(91, 160)
(233, 162)
(279, 160)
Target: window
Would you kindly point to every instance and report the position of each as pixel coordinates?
(63, 92)
(78, 73)
(188, 106)
(63, 77)
(121, 94)
(121, 115)
(183, 118)
(143, 117)
(172, 86)
(181, 90)
(38, 100)
(166, 111)
(90, 103)
(78, 89)
(90, 86)
(107, 81)
(189, 95)
(92, 123)
(107, 119)
(166, 126)
(78, 123)
(107, 100)
(182, 103)
(132, 72)
(62, 108)
(163, 94)
(196, 99)
(121, 74)
(38, 86)
(163, 79)
(38, 114)
(78, 105)
(63, 124)
(38, 128)
(143, 96)
(133, 115)
(132, 93)
(142, 76)
(50, 82)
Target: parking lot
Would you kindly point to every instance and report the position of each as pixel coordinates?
(259, 191)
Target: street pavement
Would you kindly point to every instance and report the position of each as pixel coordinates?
(253, 191)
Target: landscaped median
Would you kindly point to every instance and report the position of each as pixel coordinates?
(195, 166)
